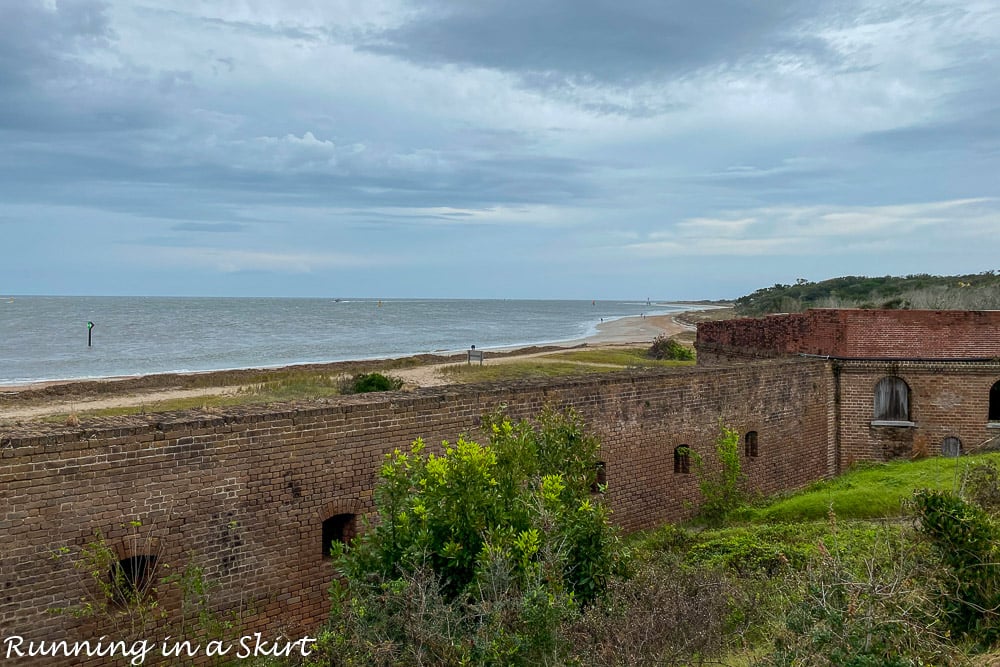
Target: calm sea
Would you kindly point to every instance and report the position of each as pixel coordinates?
(45, 338)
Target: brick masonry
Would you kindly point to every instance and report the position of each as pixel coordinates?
(947, 399)
(948, 359)
(859, 334)
(243, 494)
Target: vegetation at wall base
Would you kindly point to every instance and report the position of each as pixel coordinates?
(723, 486)
(501, 554)
(481, 553)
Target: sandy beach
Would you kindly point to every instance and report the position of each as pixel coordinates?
(42, 399)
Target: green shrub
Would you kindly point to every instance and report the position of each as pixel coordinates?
(363, 383)
(481, 554)
(665, 347)
(965, 539)
(723, 488)
(876, 612)
(982, 485)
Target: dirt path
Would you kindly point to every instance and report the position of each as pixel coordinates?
(129, 400)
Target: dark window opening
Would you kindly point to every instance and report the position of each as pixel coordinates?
(338, 528)
(994, 414)
(951, 447)
(892, 400)
(131, 578)
(750, 445)
(601, 478)
(682, 459)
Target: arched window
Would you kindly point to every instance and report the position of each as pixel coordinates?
(338, 528)
(131, 578)
(892, 400)
(682, 459)
(951, 447)
(750, 445)
(994, 414)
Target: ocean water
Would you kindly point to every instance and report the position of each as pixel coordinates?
(45, 338)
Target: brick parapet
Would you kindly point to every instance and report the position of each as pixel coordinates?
(916, 334)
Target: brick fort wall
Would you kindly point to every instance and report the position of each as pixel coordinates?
(243, 494)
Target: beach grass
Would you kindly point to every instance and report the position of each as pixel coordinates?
(273, 388)
(521, 370)
(624, 357)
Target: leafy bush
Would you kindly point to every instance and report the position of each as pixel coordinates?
(723, 488)
(367, 382)
(965, 539)
(982, 485)
(480, 554)
(667, 348)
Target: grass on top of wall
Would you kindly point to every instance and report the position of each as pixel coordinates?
(558, 364)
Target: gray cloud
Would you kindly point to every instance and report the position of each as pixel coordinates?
(37, 42)
(550, 41)
(228, 134)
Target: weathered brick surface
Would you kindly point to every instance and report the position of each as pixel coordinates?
(949, 360)
(243, 494)
(892, 334)
(946, 399)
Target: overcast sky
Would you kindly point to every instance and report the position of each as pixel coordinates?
(493, 148)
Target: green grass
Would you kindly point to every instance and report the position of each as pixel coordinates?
(862, 502)
(870, 492)
(559, 364)
(633, 356)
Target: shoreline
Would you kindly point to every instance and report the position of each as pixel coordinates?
(30, 401)
(633, 329)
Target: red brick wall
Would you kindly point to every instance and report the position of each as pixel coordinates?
(898, 334)
(946, 399)
(243, 494)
